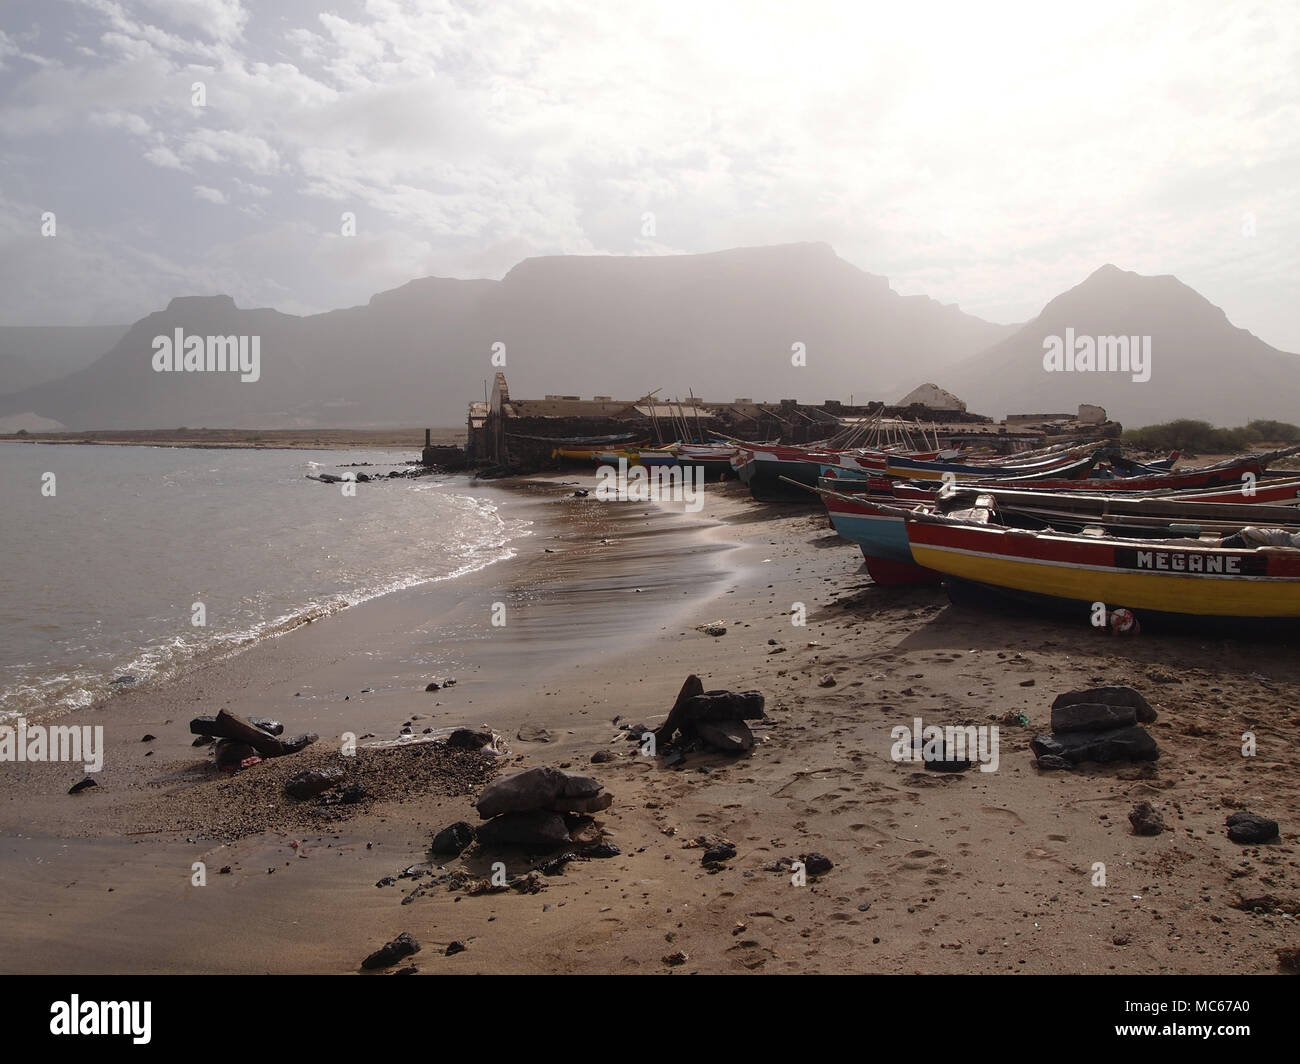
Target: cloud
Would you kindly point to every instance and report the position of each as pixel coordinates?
(223, 20)
(160, 155)
(990, 158)
(228, 146)
(211, 195)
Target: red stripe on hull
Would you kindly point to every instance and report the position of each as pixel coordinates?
(889, 573)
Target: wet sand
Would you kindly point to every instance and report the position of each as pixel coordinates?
(933, 872)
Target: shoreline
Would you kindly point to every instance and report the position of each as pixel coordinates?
(933, 872)
(152, 664)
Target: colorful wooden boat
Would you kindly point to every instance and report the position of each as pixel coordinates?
(713, 458)
(1232, 471)
(881, 534)
(1071, 465)
(1178, 580)
(1187, 515)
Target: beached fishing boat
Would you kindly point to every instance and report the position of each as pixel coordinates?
(1070, 465)
(766, 471)
(881, 533)
(1236, 471)
(1176, 580)
(713, 458)
(1270, 489)
(1187, 514)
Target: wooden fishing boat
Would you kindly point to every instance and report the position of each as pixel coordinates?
(713, 458)
(1267, 490)
(881, 533)
(1231, 471)
(1070, 465)
(1179, 580)
(766, 471)
(1172, 515)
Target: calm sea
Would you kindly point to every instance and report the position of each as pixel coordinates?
(104, 577)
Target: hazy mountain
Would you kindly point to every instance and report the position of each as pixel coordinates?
(1202, 366)
(722, 324)
(31, 355)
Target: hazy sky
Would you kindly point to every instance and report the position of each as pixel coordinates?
(988, 154)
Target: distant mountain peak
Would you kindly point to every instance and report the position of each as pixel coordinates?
(184, 304)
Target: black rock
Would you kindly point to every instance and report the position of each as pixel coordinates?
(1091, 717)
(85, 784)
(1251, 828)
(230, 754)
(602, 850)
(601, 756)
(946, 764)
(1111, 696)
(1122, 744)
(454, 838)
(725, 736)
(353, 793)
(469, 739)
(122, 680)
(724, 705)
(387, 881)
(540, 830)
(817, 864)
(455, 947)
(1052, 761)
(148, 738)
(555, 866)
(391, 952)
(271, 727)
(435, 686)
(1146, 819)
(723, 851)
(313, 781)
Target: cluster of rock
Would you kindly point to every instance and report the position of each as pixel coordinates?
(410, 473)
(241, 743)
(403, 946)
(541, 809)
(1251, 828)
(1099, 724)
(717, 719)
(1146, 819)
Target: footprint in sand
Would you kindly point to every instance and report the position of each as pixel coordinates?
(999, 811)
(870, 830)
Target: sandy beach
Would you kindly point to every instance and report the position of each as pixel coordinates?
(974, 872)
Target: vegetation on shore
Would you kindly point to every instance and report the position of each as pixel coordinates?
(1200, 437)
